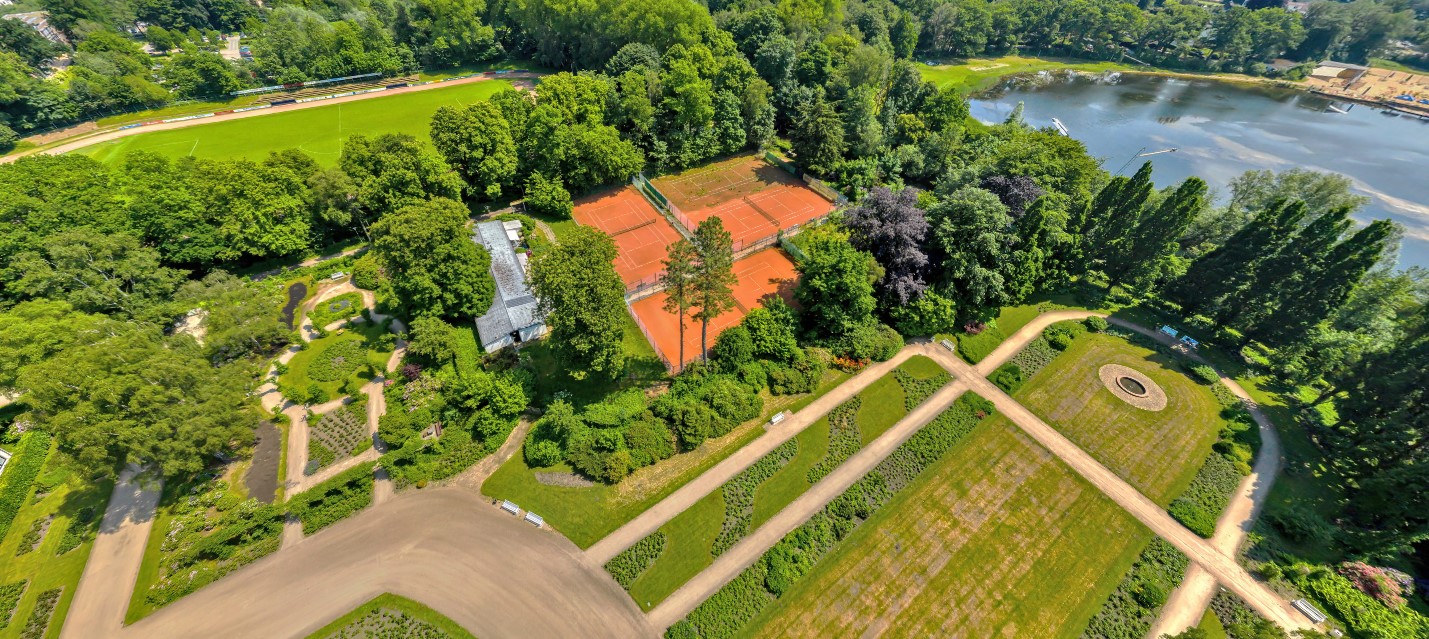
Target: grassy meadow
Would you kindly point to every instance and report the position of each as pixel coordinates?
(318, 131)
(1156, 452)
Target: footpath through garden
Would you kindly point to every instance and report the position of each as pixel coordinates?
(1219, 564)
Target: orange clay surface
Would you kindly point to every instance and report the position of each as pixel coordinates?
(641, 234)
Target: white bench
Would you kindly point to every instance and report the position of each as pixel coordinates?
(509, 507)
(535, 520)
(948, 344)
(1309, 610)
(778, 417)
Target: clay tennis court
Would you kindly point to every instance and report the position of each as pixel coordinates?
(641, 235)
(753, 198)
(768, 272)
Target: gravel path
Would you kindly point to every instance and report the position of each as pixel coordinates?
(102, 598)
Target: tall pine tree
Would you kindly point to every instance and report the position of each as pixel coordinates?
(1274, 279)
(713, 276)
(1115, 212)
(678, 281)
(1230, 266)
(1317, 292)
(1151, 245)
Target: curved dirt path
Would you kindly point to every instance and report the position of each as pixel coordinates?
(115, 133)
(658, 515)
(1218, 565)
(491, 573)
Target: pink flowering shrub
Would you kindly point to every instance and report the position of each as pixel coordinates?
(1375, 582)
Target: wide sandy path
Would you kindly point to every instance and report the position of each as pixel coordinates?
(656, 516)
(102, 599)
(447, 548)
(743, 555)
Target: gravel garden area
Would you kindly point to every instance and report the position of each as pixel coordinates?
(338, 435)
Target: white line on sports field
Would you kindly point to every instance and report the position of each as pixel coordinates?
(193, 148)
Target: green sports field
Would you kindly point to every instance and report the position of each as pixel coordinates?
(319, 131)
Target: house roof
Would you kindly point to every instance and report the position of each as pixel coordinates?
(513, 307)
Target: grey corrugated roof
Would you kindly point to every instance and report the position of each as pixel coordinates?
(513, 307)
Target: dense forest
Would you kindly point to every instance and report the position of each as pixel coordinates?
(952, 220)
(294, 41)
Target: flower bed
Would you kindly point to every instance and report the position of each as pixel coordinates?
(335, 499)
(24, 467)
(9, 598)
(211, 533)
(1131, 609)
(338, 435)
(739, 496)
(334, 309)
(338, 361)
(844, 439)
(1207, 496)
(40, 617)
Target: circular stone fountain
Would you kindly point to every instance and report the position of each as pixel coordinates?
(1133, 387)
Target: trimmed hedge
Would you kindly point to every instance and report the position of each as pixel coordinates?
(917, 390)
(1207, 496)
(844, 439)
(726, 612)
(335, 499)
(1131, 609)
(627, 566)
(9, 598)
(1365, 616)
(739, 496)
(24, 467)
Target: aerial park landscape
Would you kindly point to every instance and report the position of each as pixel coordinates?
(965, 319)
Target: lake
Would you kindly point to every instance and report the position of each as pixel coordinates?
(1222, 130)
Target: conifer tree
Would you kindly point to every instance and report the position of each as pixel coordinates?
(1151, 244)
(713, 276)
(1115, 212)
(1226, 269)
(678, 281)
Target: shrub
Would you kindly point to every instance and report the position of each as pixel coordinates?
(627, 566)
(548, 197)
(733, 348)
(1209, 493)
(366, 272)
(801, 377)
(1095, 324)
(1301, 525)
(20, 474)
(335, 499)
(1364, 616)
(1205, 374)
(80, 530)
(336, 308)
(1008, 377)
(739, 495)
(872, 341)
(649, 441)
(1375, 582)
(8, 138)
(1061, 334)
(9, 598)
(1240, 621)
(1130, 610)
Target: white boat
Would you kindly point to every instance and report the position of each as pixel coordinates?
(1061, 128)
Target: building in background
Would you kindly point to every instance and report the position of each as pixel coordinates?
(514, 316)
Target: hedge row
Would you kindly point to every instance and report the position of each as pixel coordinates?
(1207, 496)
(9, 598)
(1239, 621)
(739, 496)
(844, 439)
(1131, 609)
(627, 566)
(1365, 616)
(918, 390)
(335, 499)
(40, 617)
(726, 612)
(24, 467)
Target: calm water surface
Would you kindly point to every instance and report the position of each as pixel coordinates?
(1223, 130)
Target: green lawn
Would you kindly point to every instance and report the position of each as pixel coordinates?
(45, 568)
(690, 536)
(404, 618)
(997, 539)
(585, 515)
(319, 131)
(1156, 452)
(975, 348)
(365, 333)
